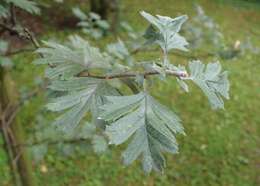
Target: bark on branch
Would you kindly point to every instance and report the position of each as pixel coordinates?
(181, 74)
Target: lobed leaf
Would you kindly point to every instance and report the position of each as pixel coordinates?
(167, 36)
(212, 81)
(79, 99)
(78, 54)
(151, 124)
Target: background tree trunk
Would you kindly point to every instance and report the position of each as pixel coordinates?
(100, 7)
(18, 155)
(108, 10)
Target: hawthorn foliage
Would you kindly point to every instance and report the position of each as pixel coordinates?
(82, 76)
(87, 85)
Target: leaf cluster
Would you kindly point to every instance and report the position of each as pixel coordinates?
(91, 23)
(26, 5)
(82, 82)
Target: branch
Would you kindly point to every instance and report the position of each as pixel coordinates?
(10, 29)
(26, 34)
(182, 74)
(30, 37)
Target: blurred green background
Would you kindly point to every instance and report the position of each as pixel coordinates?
(221, 147)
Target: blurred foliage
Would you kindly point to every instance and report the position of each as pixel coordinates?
(91, 24)
(220, 149)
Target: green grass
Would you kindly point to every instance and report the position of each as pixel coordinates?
(221, 147)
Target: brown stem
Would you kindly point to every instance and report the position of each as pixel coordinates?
(132, 74)
(9, 29)
(32, 38)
